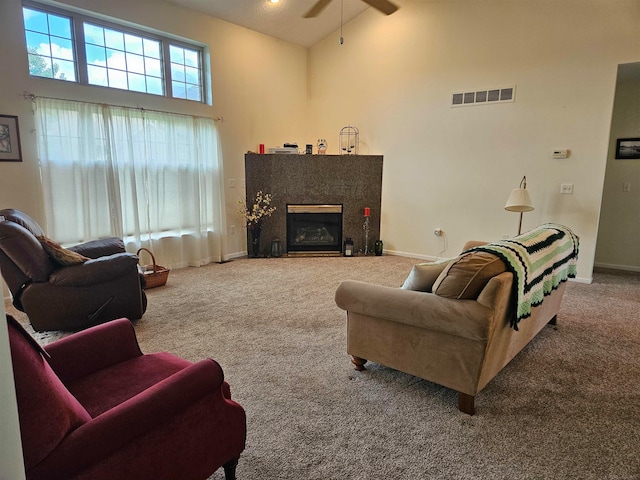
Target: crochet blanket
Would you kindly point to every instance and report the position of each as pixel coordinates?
(540, 261)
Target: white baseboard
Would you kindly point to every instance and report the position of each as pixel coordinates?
(612, 266)
(427, 258)
(587, 280)
(231, 256)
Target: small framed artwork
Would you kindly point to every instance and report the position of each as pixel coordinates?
(628, 148)
(9, 139)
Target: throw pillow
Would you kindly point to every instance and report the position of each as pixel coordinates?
(466, 276)
(423, 275)
(59, 254)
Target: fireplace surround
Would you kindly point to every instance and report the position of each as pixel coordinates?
(353, 181)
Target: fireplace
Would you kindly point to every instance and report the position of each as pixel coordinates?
(314, 229)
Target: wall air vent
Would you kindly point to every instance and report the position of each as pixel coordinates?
(484, 96)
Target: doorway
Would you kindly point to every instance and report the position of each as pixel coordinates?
(619, 226)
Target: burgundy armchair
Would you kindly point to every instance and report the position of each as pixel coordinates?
(56, 297)
(91, 406)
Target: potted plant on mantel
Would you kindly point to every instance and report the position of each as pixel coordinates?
(254, 218)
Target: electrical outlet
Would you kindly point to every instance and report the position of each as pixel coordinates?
(232, 183)
(566, 188)
(232, 229)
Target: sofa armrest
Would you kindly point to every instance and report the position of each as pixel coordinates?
(472, 244)
(95, 271)
(100, 248)
(463, 318)
(92, 349)
(498, 292)
(121, 426)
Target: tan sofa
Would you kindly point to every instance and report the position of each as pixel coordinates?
(459, 337)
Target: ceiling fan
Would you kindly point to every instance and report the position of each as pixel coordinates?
(385, 6)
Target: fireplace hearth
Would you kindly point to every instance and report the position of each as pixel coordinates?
(314, 229)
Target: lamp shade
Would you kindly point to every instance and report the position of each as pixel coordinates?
(519, 201)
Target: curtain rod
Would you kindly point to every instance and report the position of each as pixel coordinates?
(30, 96)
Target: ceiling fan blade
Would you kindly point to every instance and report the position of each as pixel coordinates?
(317, 8)
(385, 6)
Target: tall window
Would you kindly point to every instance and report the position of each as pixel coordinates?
(122, 60)
(49, 45)
(151, 178)
(76, 48)
(186, 70)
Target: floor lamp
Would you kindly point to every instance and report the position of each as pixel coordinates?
(519, 201)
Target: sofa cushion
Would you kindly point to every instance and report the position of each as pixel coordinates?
(59, 254)
(99, 248)
(119, 382)
(467, 275)
(423, 275)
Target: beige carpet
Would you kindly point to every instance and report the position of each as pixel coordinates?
(567, 407)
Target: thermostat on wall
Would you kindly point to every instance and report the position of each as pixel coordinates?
(560, 153)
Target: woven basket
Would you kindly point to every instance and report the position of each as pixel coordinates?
(155, 275)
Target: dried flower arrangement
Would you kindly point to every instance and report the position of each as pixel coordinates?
(260, 209)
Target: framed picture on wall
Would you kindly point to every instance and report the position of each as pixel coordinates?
(627, 148)
(9, 139)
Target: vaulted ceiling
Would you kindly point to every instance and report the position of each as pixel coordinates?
(283, 20)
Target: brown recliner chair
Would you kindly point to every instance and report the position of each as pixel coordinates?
(56, 297)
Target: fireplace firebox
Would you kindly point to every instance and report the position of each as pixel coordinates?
(314, 229)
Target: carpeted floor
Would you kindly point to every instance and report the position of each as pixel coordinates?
(566, 407)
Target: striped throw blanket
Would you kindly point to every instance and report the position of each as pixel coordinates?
(540, 261)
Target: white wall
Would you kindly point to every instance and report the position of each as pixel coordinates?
(11, 464)
(619, 227)
(453, 168)
(258, 83)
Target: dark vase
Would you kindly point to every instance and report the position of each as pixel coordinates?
(378, 246)
(255, 240)
(276, 248)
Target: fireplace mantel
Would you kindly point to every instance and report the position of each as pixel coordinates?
(355, 181)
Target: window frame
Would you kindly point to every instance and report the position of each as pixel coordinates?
(79, 18)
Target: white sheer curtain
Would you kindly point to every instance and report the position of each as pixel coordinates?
(151, 178)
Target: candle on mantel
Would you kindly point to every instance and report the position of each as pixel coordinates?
(367, 212)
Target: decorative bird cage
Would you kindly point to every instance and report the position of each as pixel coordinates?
(349, 140)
